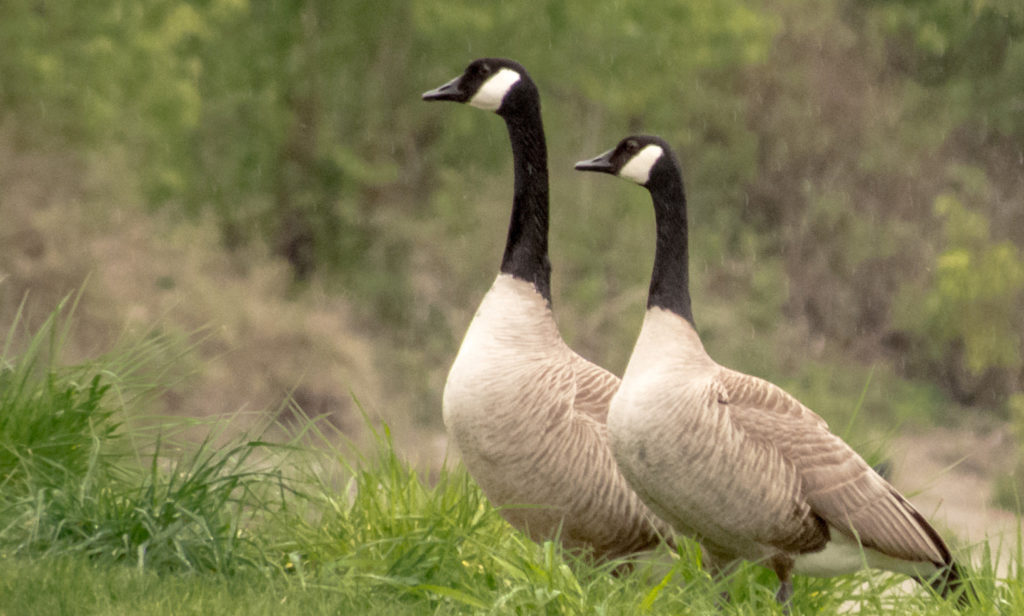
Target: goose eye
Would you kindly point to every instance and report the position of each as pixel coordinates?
(632, 146)
(484, 69)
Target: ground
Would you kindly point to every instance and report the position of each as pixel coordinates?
(949, 475)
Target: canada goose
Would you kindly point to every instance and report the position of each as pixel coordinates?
(732, 459)
(526, 412)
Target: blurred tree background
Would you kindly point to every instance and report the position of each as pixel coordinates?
(855, 169)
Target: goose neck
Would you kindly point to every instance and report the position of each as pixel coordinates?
(526, 249)
(670, 279)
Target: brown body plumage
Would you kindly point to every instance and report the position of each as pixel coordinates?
(752, 473)
(528, 415)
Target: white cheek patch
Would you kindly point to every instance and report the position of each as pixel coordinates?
(638, 168)
(493, 91)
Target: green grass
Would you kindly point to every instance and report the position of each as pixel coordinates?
(103, 514)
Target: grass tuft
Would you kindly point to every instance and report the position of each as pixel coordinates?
(74, 478)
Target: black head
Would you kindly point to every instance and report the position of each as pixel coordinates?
(640, 158)
(494, 84)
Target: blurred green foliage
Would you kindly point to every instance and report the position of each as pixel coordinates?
(815, 138)
(1008, 491)
(966, 319)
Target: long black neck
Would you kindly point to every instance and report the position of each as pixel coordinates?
(526, 250)
(670, 280)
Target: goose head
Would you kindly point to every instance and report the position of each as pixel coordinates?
(640, 158)
(651, 163)
(493, 84)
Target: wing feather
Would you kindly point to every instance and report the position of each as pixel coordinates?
(840, 487)
(595, 387)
